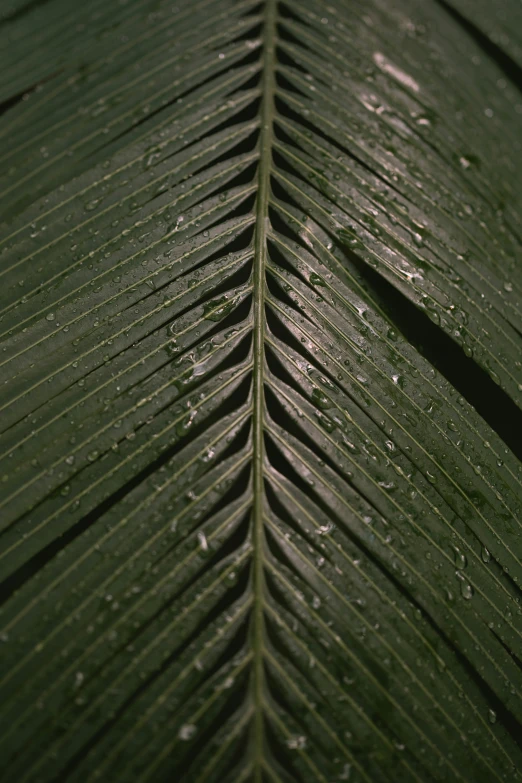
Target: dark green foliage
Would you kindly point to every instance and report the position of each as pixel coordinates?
(260, 391)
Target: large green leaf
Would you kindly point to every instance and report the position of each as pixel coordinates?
(261, 388)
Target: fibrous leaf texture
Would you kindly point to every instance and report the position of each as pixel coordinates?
(260, 391)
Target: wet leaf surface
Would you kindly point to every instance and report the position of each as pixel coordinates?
(261, 380)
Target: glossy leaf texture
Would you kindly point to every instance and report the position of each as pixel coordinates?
(260, 391)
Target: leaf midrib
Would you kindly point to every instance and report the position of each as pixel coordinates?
(258, 401)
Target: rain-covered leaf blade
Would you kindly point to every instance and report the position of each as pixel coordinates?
(260, 391)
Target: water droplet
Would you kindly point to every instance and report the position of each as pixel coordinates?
(320, 399)
(349, 238)
(187, 731)
(460, 558)
(317, 280)
(184, 425)
(326, 423)
(296, 743)
(324, 530)
(218, 308)
(466, 590)
(91, 205)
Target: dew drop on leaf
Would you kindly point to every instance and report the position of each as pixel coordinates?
(466, 590)
(187, 731)
(296, 743)
(320, 399)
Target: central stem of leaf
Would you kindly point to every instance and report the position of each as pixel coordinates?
(258, 413)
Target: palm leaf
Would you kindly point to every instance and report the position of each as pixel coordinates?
(261, 388)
